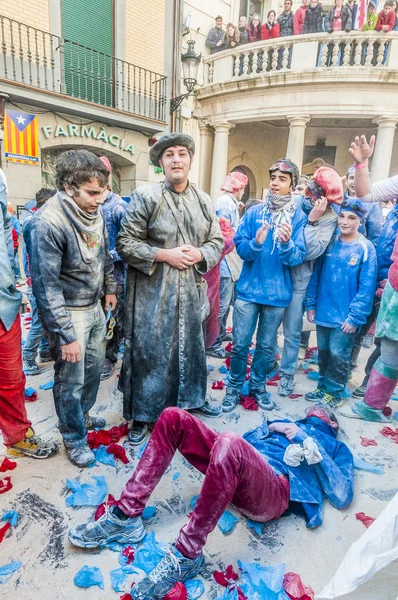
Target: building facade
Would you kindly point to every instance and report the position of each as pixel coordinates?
(93, 74)
(305, 97)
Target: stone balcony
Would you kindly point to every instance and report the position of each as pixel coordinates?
(292, 74)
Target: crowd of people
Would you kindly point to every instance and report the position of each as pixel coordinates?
(308, 18)
(160, 274)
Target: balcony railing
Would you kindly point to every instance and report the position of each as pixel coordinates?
(319, 51)
(49, 62)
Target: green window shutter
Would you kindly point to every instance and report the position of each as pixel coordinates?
(87, 27)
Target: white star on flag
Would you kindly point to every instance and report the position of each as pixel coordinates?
(21, 120)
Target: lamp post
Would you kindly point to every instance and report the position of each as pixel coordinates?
(190, 65)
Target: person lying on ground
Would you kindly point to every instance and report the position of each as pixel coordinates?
(252, 472)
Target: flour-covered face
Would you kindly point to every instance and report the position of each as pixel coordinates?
(348, 222)
(176, 162)
(280, 183)
(89, 196)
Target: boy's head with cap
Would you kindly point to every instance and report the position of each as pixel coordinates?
(352, 216)
(326, 183)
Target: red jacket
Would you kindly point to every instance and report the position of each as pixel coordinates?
(270, 34)
(388, 20)
(298, 20)
(15, 238)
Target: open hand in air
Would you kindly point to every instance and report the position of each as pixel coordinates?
(361, 149)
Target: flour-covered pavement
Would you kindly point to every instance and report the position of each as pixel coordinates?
(49, 562)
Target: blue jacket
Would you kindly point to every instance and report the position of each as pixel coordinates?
(342, 286)
(373, 223)
(113, 210)
(265, 276)
(386, 244)
(10, 297)
(332, 478)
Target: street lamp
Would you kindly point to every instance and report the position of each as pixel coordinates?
(190, 65)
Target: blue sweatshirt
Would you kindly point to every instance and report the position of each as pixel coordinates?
(265, 276)
(386, 244)
(343, 283)
(332, 478)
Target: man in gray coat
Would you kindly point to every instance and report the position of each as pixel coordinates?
(169, 237)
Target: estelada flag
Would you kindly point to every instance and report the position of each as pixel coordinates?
(21, 137)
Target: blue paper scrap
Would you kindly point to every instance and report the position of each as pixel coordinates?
(195, 588)
(29, 391)
(47, 386)
(223, 369)
(176, 476)
(363, 465)
(227, 522)
(258, 527)
(148, 554)
(89, 576)
(11, 516)
(313, 375)
(103, 457)
(87, 494)
(119, 577)
(7, 571)
(141, 450)
(149, 512)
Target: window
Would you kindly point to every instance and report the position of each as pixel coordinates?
(249, 7)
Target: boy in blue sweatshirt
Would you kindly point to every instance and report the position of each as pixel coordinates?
(270, 240)
(339, 299)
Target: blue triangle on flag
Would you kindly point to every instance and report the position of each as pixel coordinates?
(20, 119)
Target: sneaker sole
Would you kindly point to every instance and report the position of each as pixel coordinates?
(139, 535)
(16, 453)
(228, 409)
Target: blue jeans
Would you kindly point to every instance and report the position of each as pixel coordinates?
(334, 353)
(227, 287)
(76, 384)
(15, 266)
(246, 316)
(36, 338)
(292, 326)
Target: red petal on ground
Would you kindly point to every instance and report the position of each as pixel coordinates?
(228, 362)
(228, 347)
(248, 402)
(367, 442)
(308, 370)
(7, 465)
(293, 396)
(310, 351)
(276, 377)
(101, 507)
(5, 485)
(217, 385)
(295, 588)
(367, 521)
(389, 433)
(31, 398)
(126, 597)
(129, 553)
(241, 595)
(118, 451)
(179, 592)
(272, 383)
(387, 411)
(3, 530)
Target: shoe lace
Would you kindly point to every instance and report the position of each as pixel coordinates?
(328, 398)
(163, 568)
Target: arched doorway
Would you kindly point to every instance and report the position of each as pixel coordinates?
(250, 189)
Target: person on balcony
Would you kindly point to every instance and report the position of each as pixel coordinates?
(227, 207)
(338, 18)
(386, 18)
(242, 26)
(325, 188)
(253, 472)
(169, 237)
(215, 36)
(285, 19)
(71, 271)
(231, 37)
(339, 300)
(299, 17)
(113, 210)
(353, 6)
(313, 18)
(254, 29)
(269, 240)
(270, 30)
(371, 18)
(18, 435)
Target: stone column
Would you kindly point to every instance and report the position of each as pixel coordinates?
(295, 144)
(220, 158)
(381, 161)
(205, 157)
